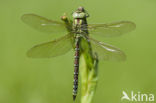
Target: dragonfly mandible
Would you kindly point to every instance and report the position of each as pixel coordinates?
(77, 29)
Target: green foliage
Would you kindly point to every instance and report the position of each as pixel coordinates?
(88, 73)
(89, 79)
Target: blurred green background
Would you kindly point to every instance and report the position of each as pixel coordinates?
(26, 80)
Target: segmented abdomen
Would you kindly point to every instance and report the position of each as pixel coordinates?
(76, 69)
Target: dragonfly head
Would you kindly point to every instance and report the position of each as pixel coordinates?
(81, 9)
(80, 13)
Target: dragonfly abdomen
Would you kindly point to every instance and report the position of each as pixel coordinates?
(76, 68)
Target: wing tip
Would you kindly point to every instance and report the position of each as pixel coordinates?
(29, 55)
(132, 24)
(22, 17)
(25, 16)
(123, 58)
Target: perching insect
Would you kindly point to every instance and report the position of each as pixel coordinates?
(78, 30)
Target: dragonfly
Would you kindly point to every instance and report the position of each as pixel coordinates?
(77, 29)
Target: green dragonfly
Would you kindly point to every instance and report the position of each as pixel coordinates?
(78, 30)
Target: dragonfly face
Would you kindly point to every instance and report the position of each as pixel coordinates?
(79, 15)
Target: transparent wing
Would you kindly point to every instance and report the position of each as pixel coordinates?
(112, 29)
(51, 49)
(42, 24)
(107, 52)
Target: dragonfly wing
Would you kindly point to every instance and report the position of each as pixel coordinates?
(112, 29)
(51, 49)
(107, 52)
(42, 24)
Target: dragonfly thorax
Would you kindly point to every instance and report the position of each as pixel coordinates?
(79, 20)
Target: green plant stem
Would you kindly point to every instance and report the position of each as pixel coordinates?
(89, 77)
